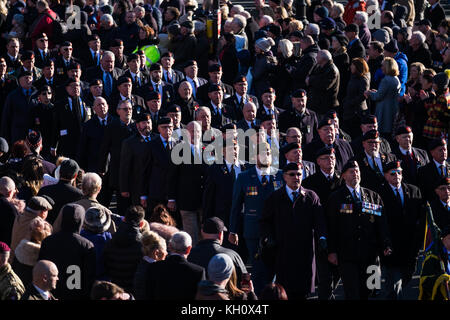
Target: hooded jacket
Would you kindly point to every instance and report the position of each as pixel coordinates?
(402, 61)
(208, 290)
(122, 254)
(73, 255)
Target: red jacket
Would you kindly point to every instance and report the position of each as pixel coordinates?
(44, 24)
(350, 9)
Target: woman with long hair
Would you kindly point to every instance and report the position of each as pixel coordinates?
(33, 175)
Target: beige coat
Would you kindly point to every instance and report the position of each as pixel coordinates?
(21, 229)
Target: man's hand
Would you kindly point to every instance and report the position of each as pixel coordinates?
(172, 205)
(233, 238)
(332, 258)
(125, 194)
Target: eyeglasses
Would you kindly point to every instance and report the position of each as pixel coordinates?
(128, 109)
(395, 172)
(292, 174)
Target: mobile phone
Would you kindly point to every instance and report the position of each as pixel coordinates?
(245, 283)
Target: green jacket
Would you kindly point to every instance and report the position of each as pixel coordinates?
(11, 287)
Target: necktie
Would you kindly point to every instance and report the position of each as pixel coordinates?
(356, 198)
(442, 171)
(147, 139)
(294, 196)
(104, 122)
(76, 108)
(108, 84)
(398, 197)
(168, 146)
(264, 180)
(233, 171)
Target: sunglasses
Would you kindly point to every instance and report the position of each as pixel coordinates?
(395, 172)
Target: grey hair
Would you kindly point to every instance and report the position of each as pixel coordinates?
(286, 47)
(91, 183)
(237, 8)
(108, 53)
(6, 185)
(240, 21)
(362, 16)
(200, 109)
(99, 98)
(294, 129)
(313, 29)
(268, 18)
(325, 54)
(339, 7)
(420, 36)
(121, 102)
(107, 18)
(180, 242)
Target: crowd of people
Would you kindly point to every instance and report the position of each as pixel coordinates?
(345, 115)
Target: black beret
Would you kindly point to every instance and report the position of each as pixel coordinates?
(155, 67)
(433, 144)
(445, 181)
(325, 122)
(95, 82)
(48, 63)
(174, 108)
(352, 28)
(189, 63)
(228, 126)
(239, 78)
(369, 119)
(187, 24)
(403, 130)
(215, 68)
(291, 146)
(371, 134)
(393, 165)
(167, 54)
(27, 55)
(349, 165)
(93, 36)
(24, 73)
(325, 150)
(214, 87)
(66, 44)
(292, 166)
(269, 90)
(74, 65)
(41, 35)
(267, 117)
(70, 81)
(299, 93)
(152, 95)
(123, 79)
(132, 57)
(143, 116)
(116, 43)
(332, 114)
(164, 120)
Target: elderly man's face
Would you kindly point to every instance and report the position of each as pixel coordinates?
(293, 178)
(394, 177)
(101, 108)
(216, 97)
(74, 89)
(327, 134)
(249, 113)
(443, 192)
(352, 177)
(154, 105)
(107, 63)
(293, 136)
(405, 140)
(185, 91)
(205, 119)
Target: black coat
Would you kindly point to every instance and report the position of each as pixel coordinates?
(173, 279)
(92, 134)
(42, 119)
(88, 59)
(61, 68)
(67, 248)
(8, 213)
(97, 73)
(137, 103)
(42, 81)
(186, 180)
(15, 115)
(204, 250)
(405, 223)
(237, 107)
(355, 103)
(427, 176)
(218, 194)
(307, 123)
(321, 186)
(187, 109)
(122, 254)
(342, 148)
(372, 179)
(220, 119)
(168, 93)
(138, 88)
(435, 15)
(323, 88)
(304, 67)
(67, 128)
(261, 112)
(422, 54)
(62, 193)
(177, 76)
(153, 181)
(202, 91)
(133, 155)
(356, 237)
(411, 166)
(6, 87)
(115, 133)
(441, 216)
(283, 220)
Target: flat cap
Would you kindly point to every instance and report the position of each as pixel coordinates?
(39, 203)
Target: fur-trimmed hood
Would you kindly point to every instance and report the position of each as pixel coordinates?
(27, 252)
(164, 231)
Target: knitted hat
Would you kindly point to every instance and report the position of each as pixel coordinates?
(97, 220)
(321, 12)
(381, 35)
(220, 267)
(265, 44)
(391, 46)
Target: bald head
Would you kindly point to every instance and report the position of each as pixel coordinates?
(100, 107)
(45, 275)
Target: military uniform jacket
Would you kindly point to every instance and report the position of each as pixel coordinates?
(427, 176)
(249, 191)
(411, 166)
(284, 221)
(11, 287)
(307, 123)
(262, 112)
(357, 233)
(373, 178)
(133, 154)
(441, 216)
(406, 224)
(322, 186)
(342, 148)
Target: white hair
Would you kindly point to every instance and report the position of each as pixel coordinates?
(108, 53)
(240, 21)
(363, 16)
(269, 19)
(245, 14)
(237, 8)
(420, 36)
(91, 183)
(313, 29)
(325, 54)
(107, 18)
(339, 7)
(200, 109)
(6, 186)
(180, 242)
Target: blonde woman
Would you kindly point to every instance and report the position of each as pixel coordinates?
(154, 249)
(386, 97)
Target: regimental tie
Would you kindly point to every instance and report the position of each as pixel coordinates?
(398, 198)
(264, 180)
(294, 196)
(442, 171)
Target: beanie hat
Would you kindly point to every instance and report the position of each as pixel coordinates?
(391, 46)
(264, 44)
(441, 80)
(220, 267)
(321, 12)
(19, 18)
(381, 35)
